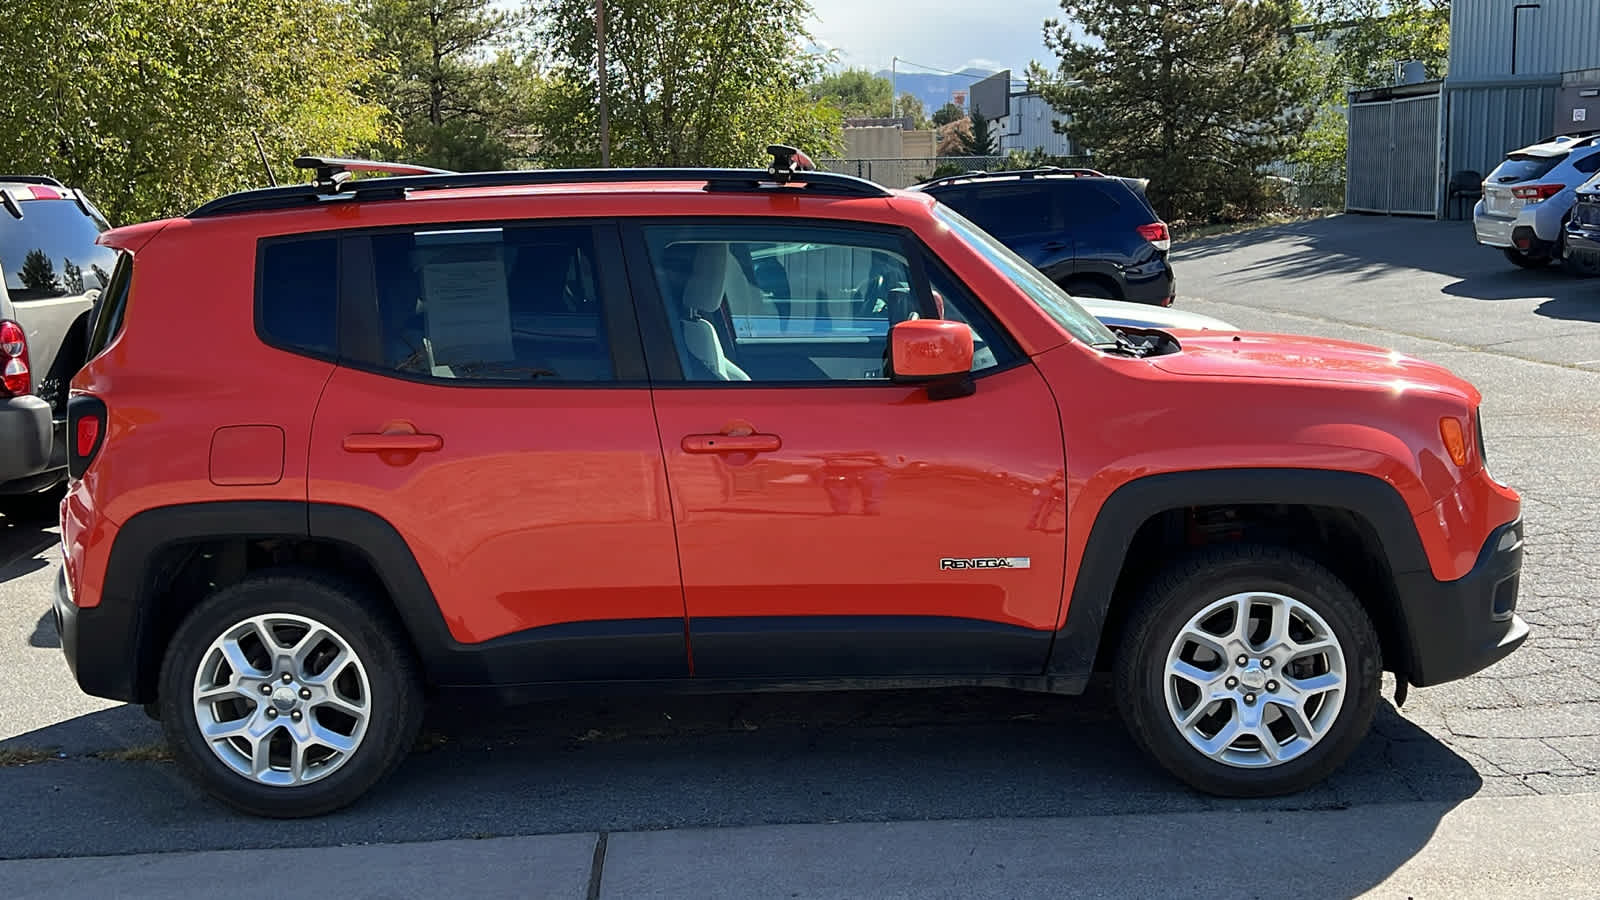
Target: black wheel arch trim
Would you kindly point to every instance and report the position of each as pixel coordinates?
(1128, 507)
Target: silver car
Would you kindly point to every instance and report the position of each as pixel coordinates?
(1528, 197)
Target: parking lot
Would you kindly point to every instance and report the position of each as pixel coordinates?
(82, 776)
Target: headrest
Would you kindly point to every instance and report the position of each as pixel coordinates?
(708, 275)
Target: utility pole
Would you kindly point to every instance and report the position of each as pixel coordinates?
(605, 113)
(894, 85)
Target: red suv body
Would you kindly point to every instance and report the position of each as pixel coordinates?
(341, 445)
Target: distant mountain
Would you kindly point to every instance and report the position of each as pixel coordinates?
(934, 90)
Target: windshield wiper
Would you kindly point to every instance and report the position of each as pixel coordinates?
(1123, 344)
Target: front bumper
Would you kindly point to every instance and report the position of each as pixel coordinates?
(27, 438)
(1459, 627)
(1583, 249)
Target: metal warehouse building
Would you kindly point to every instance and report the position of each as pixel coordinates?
(1520, 71)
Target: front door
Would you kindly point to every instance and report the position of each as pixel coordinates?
(830, 522)
(491, 405)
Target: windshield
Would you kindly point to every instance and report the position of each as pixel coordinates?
(1044, 293)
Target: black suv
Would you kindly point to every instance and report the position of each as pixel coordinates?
(1093, 234)
(51, 273)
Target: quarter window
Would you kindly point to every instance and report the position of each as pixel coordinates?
(299, 303)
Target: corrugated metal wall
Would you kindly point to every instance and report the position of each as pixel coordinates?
(1552, 36)
(1392, 161)
(1485, 121)
(1029, 127)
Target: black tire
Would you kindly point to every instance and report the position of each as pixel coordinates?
(1180, 593)
(396, 697)
(1525, 260)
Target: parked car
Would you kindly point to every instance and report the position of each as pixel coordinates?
(1583, 231)
(1124, 314)
(536, 432)
(54, 270)
(1527, 198)
(1096, 236)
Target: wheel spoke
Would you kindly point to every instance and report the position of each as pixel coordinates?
(233, 689)
(333, 670)
(1316, 684)
(1198, 711)
(261, 754)
(297, 759)
(351, 707)
(1212, 642)
(302, 649)
(1314, 648)
(1296, 714)
(1241, 619)
(331, 739)
(218, 731)
(1194, 674)
(1281, 612)
(1217, 744)
(238, 662)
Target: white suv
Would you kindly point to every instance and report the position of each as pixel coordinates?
(1527, 198)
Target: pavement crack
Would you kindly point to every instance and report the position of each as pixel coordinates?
(598, 868)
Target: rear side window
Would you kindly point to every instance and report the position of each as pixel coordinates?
(299, 295)
(51, 251)
(1007, 212)
(1589, 164)
(1086, 203)
(1519, 167)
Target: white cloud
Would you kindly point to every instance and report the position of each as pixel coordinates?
(946, 34)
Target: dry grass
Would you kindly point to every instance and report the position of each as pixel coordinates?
(24, 756)
(142, 753)
(1184, 233)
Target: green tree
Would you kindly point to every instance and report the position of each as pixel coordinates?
(910, 106)
(38, 275)
(980, 140)
(688, 84)
(72, 276)
(1196, 95)
(152, 105)
(856, 92)
(454, 79)
(948, 113)
(1371, 36)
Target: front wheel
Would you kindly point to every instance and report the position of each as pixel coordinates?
(289, 694)
(1249, 671)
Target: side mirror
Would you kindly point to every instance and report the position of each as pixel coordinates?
(932, 350)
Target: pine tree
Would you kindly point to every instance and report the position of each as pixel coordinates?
(980, 140)
(38, 275)
(1196, 95)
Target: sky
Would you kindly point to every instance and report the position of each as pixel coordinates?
(944, 34)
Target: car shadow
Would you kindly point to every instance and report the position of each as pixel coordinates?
(628, 764)
(1361, 248)
(21, 537)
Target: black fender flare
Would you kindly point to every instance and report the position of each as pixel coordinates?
(1372, 499)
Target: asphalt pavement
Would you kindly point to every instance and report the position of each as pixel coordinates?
(87, 778)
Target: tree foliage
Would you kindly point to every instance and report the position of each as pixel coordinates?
(1372, 36)
(454, 80)
(688, 83)
(151, 105)
(856, 92)
(910, 105)
(948, 113)
(980, 139)
(1196, 95)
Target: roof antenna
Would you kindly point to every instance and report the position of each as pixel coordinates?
(271, 178)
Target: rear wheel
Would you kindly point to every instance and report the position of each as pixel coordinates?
(289, 694)
(1249, 671)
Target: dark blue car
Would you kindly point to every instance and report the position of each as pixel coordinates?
(1583, 231)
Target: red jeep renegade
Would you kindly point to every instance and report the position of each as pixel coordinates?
(701, 430)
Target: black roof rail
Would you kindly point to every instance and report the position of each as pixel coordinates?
(44, 180)
(1039, 172)
(395, 186)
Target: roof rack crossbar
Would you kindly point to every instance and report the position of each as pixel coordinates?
(399, 185)
(1014, 173)
(44, 180)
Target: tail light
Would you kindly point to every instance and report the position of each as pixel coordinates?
(14, 359)
(86, 428)
(1537, 193)
(1158, 234)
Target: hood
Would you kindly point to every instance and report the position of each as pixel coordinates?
(1309, 359)
(1145, 315)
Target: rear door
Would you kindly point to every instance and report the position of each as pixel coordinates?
(832, 523)
(1027, 216)
(491, 404)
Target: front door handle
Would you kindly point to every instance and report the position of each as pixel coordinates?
(397, 437)
(1055, 245)
(731, 443)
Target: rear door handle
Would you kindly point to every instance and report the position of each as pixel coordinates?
(397, 437)
(731, 443)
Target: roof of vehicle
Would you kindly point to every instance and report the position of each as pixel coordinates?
(1559, 146)
(1011, 175)
(16, 190)
(335, 182)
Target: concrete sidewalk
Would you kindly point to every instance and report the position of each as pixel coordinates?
(1546, 846)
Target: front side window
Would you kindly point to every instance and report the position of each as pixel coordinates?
(514, 303)
(796, 303)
